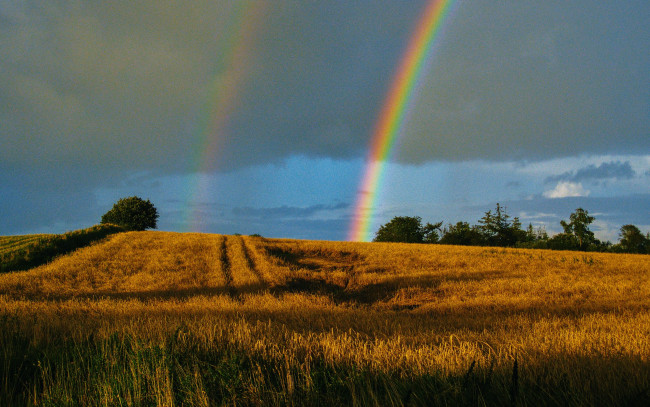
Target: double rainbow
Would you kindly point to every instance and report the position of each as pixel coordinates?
(394, 111)
(223, 94)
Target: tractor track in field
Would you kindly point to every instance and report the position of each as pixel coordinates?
(227, 269)
(250, 263)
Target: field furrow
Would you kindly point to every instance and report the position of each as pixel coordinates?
(225, 262)
(250, 263)
(244, 277)
(269, 268)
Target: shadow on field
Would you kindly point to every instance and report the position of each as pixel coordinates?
(322, 263)
(226, 373)
(315, 260)
(343, 293)
(385, 290)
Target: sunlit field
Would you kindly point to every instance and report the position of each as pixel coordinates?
(162, 319)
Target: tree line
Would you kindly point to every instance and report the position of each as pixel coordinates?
(497, 228)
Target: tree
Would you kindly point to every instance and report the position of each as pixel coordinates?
(462, 234)
(405, 229)
(563, 241)
(498, 230)
(532, 238)
(578, 226)
(132, 213)
(632, 240)
(430, 232)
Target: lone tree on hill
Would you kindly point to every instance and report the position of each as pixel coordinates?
(132, 213)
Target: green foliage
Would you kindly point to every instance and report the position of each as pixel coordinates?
(498, 230)
(431, 232)
(578, 226)
(463, 234)
(563, 241)
(43, 248)
(132, 213)
(633, 241)
(13, 243)
(407, 229)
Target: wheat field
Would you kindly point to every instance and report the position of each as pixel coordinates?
(161, 319)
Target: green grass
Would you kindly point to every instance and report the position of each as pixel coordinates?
(10, 244)
(28, 251)
(183, 369)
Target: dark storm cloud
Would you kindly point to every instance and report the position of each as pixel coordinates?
(536, 80)
(127, 85)
(611, 170)
(124, 85)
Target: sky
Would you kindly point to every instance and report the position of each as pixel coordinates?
(257, 116)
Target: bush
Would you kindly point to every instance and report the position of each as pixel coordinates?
(132, 213)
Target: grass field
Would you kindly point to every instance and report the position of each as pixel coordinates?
(28, 251)
(161, 319)
(13, 243)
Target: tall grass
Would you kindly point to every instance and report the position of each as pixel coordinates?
(152, 318)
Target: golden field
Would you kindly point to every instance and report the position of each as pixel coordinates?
(157, 318)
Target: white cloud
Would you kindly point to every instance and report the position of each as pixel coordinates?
(566, 190)
(523, 215)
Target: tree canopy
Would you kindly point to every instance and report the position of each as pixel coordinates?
(633, 241)
(497, 228)
(132, 213)
(578, 226)
(408, 229)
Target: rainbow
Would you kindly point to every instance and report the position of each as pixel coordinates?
(393, 113)
(222, 96)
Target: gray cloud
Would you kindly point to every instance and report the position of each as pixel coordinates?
(610, 170)
(535, 80)
(119, 85)
(126, 86)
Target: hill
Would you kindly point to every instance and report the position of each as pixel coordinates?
(27, 251)
(157, 318)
